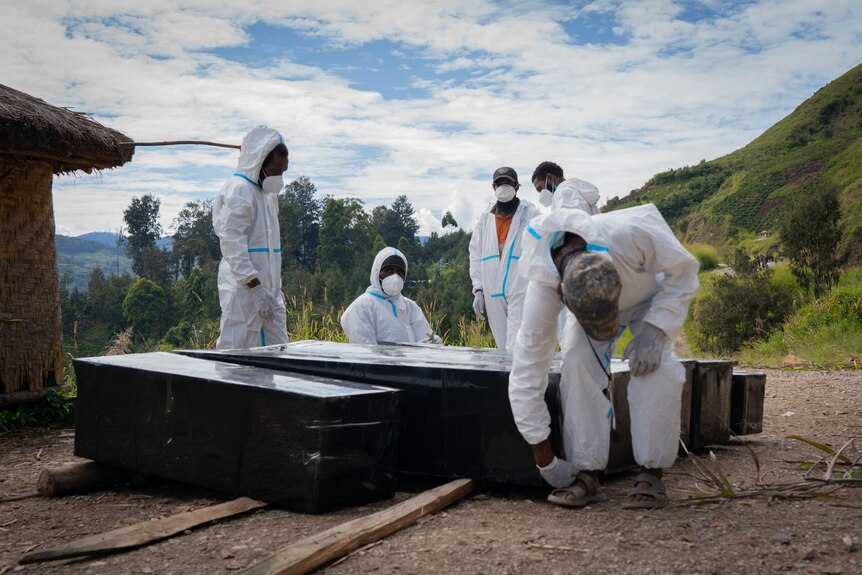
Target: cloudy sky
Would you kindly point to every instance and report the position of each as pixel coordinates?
(382, 98)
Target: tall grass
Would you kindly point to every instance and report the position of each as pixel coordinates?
(825, 332)
(706, 255)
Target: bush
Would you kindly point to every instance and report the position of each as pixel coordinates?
(825, 332)
(738, 309)
(706, 255)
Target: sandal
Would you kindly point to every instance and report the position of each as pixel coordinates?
(584, 488)
(656, 490)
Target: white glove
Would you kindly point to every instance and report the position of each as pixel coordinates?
(559, 473)
(479, 304)
(431, 338)
(265, 302)
(644, 351)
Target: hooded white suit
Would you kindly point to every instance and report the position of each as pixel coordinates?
(245, 218)
(575, 193)
(375, 317)
(497, 275)
(659, 279)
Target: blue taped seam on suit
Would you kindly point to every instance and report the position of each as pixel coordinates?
(238, 175)
(384, 298)
(509, 260)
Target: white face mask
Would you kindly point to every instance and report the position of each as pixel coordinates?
(504, 193)
(272, 184)
(392, 285)
(546, 198)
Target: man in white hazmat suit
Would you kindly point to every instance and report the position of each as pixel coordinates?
(382, 314)
(245, 218)
(495, 251)
(622, 268)
(552, 186)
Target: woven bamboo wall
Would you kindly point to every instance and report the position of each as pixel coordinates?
(31, 349)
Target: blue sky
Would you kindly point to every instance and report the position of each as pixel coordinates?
(378, 99)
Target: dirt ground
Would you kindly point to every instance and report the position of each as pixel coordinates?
(495, 530)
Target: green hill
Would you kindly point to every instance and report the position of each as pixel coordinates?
(732, 198)
(79, 256)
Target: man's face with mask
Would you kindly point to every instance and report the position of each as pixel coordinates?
(549, 182)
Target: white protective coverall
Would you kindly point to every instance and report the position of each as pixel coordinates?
(497, 274)
(575, 193)
(245, 218)
(375, 317)
(659, 279)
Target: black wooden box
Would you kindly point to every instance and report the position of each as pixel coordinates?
(746, 404)
(457, 421)
(309, 443)
(710, 403)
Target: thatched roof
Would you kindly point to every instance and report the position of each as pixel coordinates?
(32, 128)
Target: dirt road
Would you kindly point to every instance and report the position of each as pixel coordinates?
(497, 530)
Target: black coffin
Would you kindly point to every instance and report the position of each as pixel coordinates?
(746, 404)
(710, 403)
(309, 443)
(456, 417)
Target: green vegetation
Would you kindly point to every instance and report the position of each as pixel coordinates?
(58, 408)
(826, 332)
(727, 201)
(706, 255)
(329, 244)
(738, 308)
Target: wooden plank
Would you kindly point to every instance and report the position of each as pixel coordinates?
(79, 478)
(143, 533)
(312, 552)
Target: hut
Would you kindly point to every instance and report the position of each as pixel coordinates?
(38, 140)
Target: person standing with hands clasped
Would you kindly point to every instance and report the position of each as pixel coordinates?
(245, 218)
(495, 251)
(612, 270)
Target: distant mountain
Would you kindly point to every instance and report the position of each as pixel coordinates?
(734, 197)
(110, 239)
(106, 238)
(78, 256)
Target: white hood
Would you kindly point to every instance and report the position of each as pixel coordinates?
(378, 263)
(575, 193)
(256, 145)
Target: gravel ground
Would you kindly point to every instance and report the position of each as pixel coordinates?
(496, 530)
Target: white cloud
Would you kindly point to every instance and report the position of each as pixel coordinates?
(674, 93)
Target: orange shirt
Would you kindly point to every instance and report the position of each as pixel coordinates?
(503, 225)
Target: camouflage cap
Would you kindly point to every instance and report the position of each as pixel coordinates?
(591, 290)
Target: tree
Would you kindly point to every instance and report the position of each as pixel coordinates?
(145, 306)
(195, 240)
(396, 222)
(449, 220)
(740, 307)
(345, 234)
(120, 245)
(142, 223)
(105, 298)
(810, 233)
(299, 214)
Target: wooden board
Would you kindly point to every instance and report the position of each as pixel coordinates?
(312, 552)
(143, 533)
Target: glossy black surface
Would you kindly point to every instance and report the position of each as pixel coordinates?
(457, 421)
(309, 443)
(710, 404)
(746, 403)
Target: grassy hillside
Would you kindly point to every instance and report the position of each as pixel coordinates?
(78, 256)
(732, 198)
